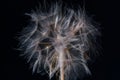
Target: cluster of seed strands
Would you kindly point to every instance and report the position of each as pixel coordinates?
(57, 41)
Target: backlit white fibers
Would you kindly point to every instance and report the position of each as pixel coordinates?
(57, 40)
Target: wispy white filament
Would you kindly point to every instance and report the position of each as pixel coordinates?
(57, 41)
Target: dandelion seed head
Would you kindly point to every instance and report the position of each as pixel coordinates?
(58, 40)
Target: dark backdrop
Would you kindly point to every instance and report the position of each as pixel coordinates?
(105, 12)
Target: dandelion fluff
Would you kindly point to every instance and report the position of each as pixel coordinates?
(57, 41)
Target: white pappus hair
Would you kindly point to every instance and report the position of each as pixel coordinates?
(58, 41)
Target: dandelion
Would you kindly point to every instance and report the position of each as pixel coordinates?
(57, 41)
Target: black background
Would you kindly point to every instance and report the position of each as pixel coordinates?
(105, 12)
